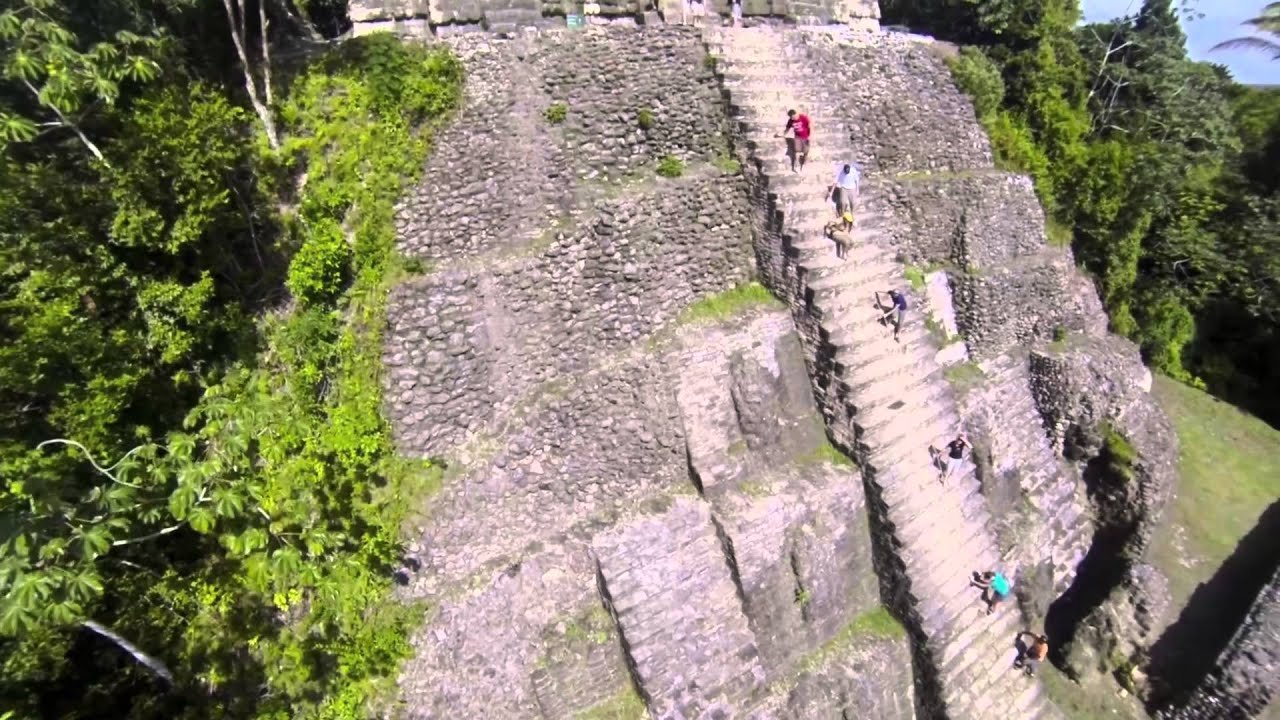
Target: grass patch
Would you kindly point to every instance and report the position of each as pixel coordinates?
(1095, 700)
(556, 113)
(1228, 473)
(875, 624)
(1056, 233)
(726, 163)
(936, 331)
(729, 303)
(709, 62)
(670, 166)
(754, 489)
(914, 277)
(645, 119)
(827, 453)
(593, 627)
(964, 376)
(626, 705)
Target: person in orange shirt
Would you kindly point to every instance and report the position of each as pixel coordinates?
(1035, 654)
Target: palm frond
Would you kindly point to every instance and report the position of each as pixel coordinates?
(1250, 43)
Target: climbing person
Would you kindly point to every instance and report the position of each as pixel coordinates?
(955, 456)
(843, 191)
(897, 310)
(995, 587)
(1033, 654)
(838, 231)
(802, 127)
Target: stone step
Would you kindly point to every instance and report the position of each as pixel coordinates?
(826, 279)
(677, 606)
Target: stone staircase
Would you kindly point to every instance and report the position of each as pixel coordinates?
(1019, 443)
(886, 400)
(679, 612)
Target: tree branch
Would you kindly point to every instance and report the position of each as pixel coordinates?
(160, 533)
(68, 124)
(108, 471)
(146, 660)
(266, 51)
(251, 85)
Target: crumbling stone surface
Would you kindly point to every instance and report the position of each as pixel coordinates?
(1116, 633)
(512, 322)
(502, 171)
(1246, 678)
(511, 15)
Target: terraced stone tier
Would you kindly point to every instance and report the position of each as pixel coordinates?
(679, 612)
(885, 400)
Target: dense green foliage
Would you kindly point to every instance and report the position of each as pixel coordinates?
(1162, 170)
(200, 508)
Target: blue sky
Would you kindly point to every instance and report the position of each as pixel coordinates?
(1221, 22)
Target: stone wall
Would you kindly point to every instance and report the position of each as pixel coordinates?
(545, 356)
(1246, 678)
(444, 16)
(502, 175)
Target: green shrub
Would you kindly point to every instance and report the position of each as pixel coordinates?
(729, 303)
(670, 166)
(979, 78)
(1059, 334)
(320, 268)
(726, 163)
(914, 277)
(709, 62)
(556, 113)
(645, 119)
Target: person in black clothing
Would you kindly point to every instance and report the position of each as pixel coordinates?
(897, 310)
(955, 455)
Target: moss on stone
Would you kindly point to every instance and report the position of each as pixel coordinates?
(914, 277)
(876, 624)
(827, 453)
(626, 705)
(595, 627)
(729, 303)
(964, 376)
(556, 113)
(1120, 454)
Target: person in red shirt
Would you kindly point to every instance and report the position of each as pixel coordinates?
(797, 134)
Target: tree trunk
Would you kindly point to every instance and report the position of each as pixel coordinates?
(238, 33)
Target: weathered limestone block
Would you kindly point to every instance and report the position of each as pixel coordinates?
(1122, 626)
(583, 665)
(865, 677)
(900, 107)
(1246, 678)
(439, 363)
(480, 654)
(670, 587)
(370, 10)
(745, 403)
(803, 554)
(1021, 303)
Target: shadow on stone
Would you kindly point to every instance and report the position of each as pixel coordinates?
(1188, 649)
(1103, 567)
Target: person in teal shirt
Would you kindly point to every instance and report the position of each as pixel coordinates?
(995, 587)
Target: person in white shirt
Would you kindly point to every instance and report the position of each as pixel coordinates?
(844, 190)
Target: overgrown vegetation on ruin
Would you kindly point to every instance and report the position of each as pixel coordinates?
(729, 303)
(199, 311)
(1160, 171)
